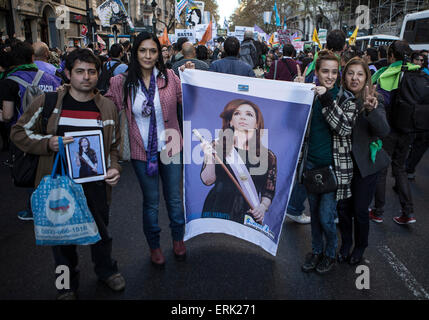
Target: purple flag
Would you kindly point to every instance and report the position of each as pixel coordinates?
(258, 29)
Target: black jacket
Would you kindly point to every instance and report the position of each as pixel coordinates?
(370, 127)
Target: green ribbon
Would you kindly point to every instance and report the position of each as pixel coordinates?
(374, 147)
(23, 67)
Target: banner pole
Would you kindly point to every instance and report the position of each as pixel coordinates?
(219, 160)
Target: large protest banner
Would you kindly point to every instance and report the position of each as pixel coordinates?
(113, 12)
(255, 127)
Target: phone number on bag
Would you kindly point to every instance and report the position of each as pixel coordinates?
(65, 230)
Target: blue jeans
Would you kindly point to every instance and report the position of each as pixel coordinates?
(323, 208)
(297, 198)
(171, 175)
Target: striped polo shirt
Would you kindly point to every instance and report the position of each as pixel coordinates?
(78, 116)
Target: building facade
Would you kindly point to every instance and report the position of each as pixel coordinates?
(37, 20)
(143, 12)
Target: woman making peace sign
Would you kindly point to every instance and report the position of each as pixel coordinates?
(368, 159)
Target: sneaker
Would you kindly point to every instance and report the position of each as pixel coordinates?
(311, 261)
(25, 215)
(403, 219)
(374, 217)
(115, 282)
(69, 295)
(302, 219)
(325, 265)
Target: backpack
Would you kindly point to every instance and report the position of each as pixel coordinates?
(24, 165)
(32, 90)
(247, 54)
(104, 80)
(410, 110)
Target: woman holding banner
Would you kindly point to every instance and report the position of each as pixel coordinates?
(150, 93)
(368, 159)
(241, 168)
(327, 153)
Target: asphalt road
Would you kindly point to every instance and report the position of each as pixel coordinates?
(218, 266)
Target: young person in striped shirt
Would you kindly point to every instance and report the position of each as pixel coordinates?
(79, 107)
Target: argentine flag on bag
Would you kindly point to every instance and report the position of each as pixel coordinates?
(61, 213)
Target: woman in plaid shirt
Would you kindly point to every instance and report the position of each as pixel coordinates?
(333, 116)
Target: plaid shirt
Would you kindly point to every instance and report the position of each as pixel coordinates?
(341, 115)
(169, 96)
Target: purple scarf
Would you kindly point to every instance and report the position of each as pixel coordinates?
(149, 110)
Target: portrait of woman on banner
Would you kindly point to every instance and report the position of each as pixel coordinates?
(86, 159)
(239, 154)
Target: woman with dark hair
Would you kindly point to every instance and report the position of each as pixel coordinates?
(86, 159)
(251, 164)
(368, 159)
(328, 146)
(166, 56)
(150, 93)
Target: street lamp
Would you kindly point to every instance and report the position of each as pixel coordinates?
(91, 22)
(154, 5)
(115, 33)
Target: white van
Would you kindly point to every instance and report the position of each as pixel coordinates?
(415, 29)
(374, 41)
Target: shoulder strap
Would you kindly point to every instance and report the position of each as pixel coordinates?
(24, 83)
(113, 68)
(37, 78)
(275, 69)
(48, 108)
(306, 144)
(287, 66)
(19, 81)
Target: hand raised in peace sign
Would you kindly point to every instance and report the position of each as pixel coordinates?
(370, 99)
(300, 77)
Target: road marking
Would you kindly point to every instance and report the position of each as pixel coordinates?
(402, 271)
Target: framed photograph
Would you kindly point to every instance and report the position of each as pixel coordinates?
(85, 156)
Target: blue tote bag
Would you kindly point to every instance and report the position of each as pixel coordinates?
(61, 213)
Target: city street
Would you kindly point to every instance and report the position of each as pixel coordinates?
(217, 266)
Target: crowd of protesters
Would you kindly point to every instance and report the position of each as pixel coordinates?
(350, 113)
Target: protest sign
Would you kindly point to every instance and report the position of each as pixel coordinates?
(259, 159)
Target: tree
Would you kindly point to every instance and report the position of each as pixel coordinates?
(213, 8)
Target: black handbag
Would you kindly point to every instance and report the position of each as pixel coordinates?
(320, 180)
(24, 165)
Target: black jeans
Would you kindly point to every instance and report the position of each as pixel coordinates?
(104, 265)
(356, 208)
(418, 149)
(397, 146)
